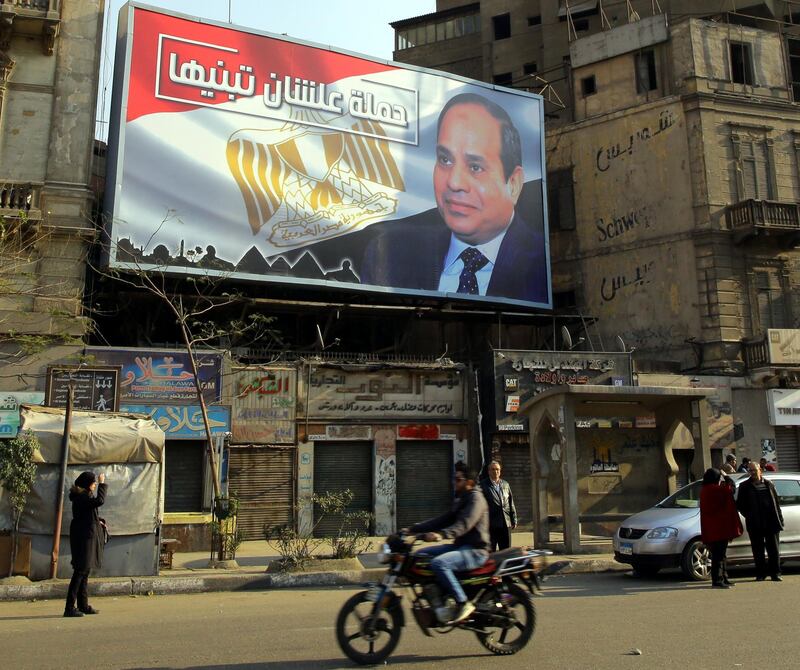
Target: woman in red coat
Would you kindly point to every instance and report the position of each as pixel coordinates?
(719, 523)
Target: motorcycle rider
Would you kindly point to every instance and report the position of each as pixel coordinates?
(467, 523)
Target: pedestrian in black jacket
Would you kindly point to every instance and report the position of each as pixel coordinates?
(86, 540)
(502, 512)
(757, 500)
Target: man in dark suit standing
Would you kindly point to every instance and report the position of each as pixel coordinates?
(758, 503)
(502, 513)
(484, 247)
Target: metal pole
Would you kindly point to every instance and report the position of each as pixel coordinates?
(61, 481)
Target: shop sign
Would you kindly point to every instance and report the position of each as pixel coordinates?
(263, 406)
(160, 376)
(185, 422)
(398, 394)
(418, 432)
(784, 407)
(511, 427)
(95, 389)
(645, 422)
(784, 346)
(9, 409)
(519, 375)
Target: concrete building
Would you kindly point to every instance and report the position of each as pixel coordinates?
(674, 183)
(49, 60)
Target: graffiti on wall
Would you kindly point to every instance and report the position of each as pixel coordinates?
(385, 494)
(611, 286)
(606, 155)
(617, 225)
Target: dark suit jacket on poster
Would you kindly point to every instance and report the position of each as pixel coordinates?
(411, 253)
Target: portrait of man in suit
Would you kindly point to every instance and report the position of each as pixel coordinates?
(475, 242)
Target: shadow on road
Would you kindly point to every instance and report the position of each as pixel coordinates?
(31, 618)
(323, 664)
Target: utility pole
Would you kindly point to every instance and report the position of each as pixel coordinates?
(62, 480)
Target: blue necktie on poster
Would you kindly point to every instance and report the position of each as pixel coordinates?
(473, 260)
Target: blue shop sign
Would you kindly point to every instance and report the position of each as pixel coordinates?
(185, 422)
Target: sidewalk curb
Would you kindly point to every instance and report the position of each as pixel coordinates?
(164, 585)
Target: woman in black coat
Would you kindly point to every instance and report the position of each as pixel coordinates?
(86, 540)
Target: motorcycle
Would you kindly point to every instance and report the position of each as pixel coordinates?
(369, 624)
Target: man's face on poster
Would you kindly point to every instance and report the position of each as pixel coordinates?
(473, 195)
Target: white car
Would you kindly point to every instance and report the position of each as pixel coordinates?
(668, 535)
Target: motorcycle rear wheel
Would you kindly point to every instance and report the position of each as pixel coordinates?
(516, 603)
(355, 639)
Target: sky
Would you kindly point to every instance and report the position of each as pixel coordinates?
(354, 25)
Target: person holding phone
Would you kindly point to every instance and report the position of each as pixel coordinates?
(86, 539)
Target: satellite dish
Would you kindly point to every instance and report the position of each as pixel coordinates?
(320, 341)
(566, 338)
(621, 345)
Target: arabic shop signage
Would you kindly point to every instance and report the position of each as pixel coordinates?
(9, 409)
(185, 422)
(386, 394)
(263, 406)
(784, 407)
(96, 389)
(520, 375)
(159, 376)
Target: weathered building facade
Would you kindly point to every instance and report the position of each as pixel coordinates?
(49, 60)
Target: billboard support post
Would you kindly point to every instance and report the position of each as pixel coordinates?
(62, 478)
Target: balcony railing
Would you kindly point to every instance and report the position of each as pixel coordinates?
(756, 354)
(779, 347)
(749, 218)
(20, 199)
(33, 18)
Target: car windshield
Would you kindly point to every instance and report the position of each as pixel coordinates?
(688, 496)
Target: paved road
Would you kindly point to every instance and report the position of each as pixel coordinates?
(590, 621)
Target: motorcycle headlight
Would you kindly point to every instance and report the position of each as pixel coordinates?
(662, 533)
(385, 554)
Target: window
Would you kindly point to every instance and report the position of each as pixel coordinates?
(741, 63)
(688, 496)
(535, 20)
(646, 72)
(794, 67)
(770, 299)
(503, 79)
(561, 199)
(502, 26)
(580, 25)
(788, 491)
(754, 166)
(530, 68)
(588, 86)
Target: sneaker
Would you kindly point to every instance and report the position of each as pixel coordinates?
(463, 613)
(444, 613)
(89, 610)
(73, 613)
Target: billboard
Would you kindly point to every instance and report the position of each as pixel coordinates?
(252, 155)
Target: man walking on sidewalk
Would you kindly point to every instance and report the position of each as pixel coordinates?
(502, 513)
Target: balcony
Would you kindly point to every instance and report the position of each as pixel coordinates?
(765, 218)
(779, 348)
(30, 17)
(20, 199)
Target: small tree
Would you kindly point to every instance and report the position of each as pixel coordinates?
(17, 473)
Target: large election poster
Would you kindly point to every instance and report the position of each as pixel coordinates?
(256, 156)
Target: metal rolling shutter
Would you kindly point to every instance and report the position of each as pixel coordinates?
(424, 481)
(339, 466)
(515, 464)
(262, 478)
(787, 444)
(183, 475)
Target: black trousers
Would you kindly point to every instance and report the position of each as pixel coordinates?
(500, 537)
(769, 541)
(78, 590)
(719, 567)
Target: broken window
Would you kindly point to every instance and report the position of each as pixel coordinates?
(588, 86)
(502, 26)
(646, 79)
(741, 63)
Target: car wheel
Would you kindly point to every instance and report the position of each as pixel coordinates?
(645, 571)
(696, 561)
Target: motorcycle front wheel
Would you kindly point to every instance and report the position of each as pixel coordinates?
(362, 640)
(516, 631)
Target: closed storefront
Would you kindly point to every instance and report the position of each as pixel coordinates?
(339, 466)
(787, 444)
(183, 467)
(263, 480)
(424, 480)
(515, 463)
